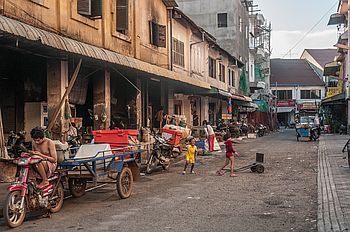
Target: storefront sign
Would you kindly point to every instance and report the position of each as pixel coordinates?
(226, 116)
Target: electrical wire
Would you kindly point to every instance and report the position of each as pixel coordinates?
(313, 27)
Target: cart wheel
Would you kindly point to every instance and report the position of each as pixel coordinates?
(166, 166)
(260, 168)
(124, 183)
(56, 205)
(151, 164)
(77, 187)
(298, 138)
(253, 168)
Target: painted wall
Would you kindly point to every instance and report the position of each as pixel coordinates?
(204, 13)
(61, 16)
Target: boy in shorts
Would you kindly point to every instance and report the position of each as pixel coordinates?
(230, 151)
(191, 155)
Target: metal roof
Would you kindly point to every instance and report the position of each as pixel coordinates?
(49, 39)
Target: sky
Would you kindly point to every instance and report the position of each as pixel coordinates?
(292, 19)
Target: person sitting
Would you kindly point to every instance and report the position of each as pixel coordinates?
(45, 149)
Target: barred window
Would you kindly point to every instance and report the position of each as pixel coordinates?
(90, 8)
(222, 72)
(310, 94)
(122, 16)
(212, 68)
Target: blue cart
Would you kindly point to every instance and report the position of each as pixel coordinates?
(118, 164)
(303, 133)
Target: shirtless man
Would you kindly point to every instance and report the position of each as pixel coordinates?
(44, 148)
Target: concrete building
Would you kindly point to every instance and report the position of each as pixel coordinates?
(297, 91)
(126, 69)
(203, 59)
(226, 20)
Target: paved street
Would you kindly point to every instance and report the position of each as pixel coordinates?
(284, 198)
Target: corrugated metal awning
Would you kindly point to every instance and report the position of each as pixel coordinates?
(336, 19)
(170, 3)
(331, 69)
(49, 39)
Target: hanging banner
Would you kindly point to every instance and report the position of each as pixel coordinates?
(229, 106)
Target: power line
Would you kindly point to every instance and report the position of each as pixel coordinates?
(313, 27)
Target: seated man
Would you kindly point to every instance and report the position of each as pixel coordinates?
(44, 148)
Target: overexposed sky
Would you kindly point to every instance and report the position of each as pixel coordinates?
(292, 19)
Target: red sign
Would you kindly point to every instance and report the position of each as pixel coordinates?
(285, 103)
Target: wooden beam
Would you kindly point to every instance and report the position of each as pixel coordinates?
(66, 93)
(3, 151)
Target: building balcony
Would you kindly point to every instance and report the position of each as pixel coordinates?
(332, 91)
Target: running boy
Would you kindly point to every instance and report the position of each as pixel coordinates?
(191, 155)
(230, 151)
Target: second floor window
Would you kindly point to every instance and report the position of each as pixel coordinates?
(90, 8)
(231, 77)
(178, 52)
(222, 19)
(157, 34)
(310, 94)
(284, 94)
(222, 71)
(212, 68)
(122, 16)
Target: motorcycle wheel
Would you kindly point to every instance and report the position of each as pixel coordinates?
(151, 164)
(124, 183)
(13, 215)
(57, 203)
(77, 187)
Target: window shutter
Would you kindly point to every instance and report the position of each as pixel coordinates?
(122, 16)
(84, 7)
(96, 8)
(161, 36)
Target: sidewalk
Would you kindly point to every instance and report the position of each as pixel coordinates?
(333, 185)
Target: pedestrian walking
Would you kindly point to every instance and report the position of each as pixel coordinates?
(191, 155)
(210, 135)
(230, 152)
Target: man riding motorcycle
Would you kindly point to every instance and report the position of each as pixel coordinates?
(45, 149)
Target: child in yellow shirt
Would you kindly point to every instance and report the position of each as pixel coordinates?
(191, 155)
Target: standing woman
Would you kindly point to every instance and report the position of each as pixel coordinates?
(210, 134)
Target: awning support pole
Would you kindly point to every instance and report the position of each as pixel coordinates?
(116, 70)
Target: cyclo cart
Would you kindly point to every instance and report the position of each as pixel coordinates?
(92, 162)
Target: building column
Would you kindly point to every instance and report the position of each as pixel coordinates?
(171, 101)
(57, 81)
(204, 115)
(102, 101)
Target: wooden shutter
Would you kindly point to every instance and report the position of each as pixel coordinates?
(122, 16)
(96, 8)
(84, 7)
(161, 36)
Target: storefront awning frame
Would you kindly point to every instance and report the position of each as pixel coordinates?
(336, 19)
(49, 39)
(331, 69)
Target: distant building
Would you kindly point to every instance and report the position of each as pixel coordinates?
(297, 86)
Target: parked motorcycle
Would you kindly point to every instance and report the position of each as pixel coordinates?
(314, 133)
(261, 130)
(158, 157)
(24, 195)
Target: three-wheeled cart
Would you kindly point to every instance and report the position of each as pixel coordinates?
(303, 132)
(95, 161)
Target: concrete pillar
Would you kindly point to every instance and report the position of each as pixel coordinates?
(204, 109)
(57, 81)
(171, 101)
(102, 100)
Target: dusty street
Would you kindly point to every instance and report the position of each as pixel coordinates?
(284, 198)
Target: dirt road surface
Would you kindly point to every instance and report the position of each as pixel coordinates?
(283, 198)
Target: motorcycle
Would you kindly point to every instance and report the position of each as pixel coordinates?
(314, 133)
(158, 157)
(261, 130)
(24, 195)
